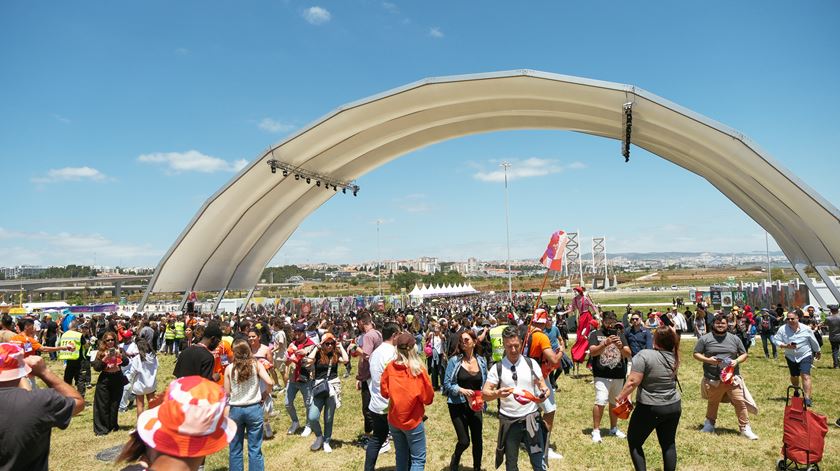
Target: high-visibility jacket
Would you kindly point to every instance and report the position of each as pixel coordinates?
(73, 338)
(179, 330)
(170, 333)
(497, 342)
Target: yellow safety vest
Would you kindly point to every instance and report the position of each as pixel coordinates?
(71, 337)
(497, 342)
(179, 330)
(170, 333)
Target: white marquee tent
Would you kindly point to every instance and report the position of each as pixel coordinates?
(432, 291)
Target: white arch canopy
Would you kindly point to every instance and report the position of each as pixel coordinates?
(242, 226)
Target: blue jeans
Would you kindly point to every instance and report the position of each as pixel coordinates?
(250, 419)
(410, 447)
(292, 389)
(327, 403)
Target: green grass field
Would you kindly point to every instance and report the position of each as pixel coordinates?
(76, 447)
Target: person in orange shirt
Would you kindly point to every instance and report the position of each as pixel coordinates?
(222, 356)
(27, 341)
(409, 389)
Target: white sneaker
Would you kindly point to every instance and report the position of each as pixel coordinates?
(293, 428)
(327, 447)
(596, 436)
(553, 455)
(708, 427)
(748, 433)
(617, 433)
(385, 447)
(306, 431)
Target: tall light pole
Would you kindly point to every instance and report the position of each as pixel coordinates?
(378, 258)
(506, 165)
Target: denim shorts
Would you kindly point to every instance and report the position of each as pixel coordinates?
(802, 367)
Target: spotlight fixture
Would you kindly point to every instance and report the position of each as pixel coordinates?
(627, 122)
(273, 168)
(297, 176)
(308, 180)
(285, 173)
(318, 183)
(334, 188)
(355, 190)
(344, 190)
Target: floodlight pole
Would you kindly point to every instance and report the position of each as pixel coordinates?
(506, 165)
(378, 258)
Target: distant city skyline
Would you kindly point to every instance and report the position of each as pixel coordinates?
(107, 160)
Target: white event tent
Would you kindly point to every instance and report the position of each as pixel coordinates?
(434, 291)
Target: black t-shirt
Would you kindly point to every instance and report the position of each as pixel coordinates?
(195, 361)
(52, 329)
(30, 417)
(610, 363)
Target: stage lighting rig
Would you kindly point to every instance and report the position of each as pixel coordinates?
(302, 174)
(627, 124)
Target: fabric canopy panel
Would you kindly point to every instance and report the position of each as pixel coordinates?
(241, 227)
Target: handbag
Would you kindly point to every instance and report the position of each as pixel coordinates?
(322, 386)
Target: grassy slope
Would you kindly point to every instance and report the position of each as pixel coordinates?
(75, 447)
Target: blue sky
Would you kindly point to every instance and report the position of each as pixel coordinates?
(120, 118)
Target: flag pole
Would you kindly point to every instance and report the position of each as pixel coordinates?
(539, 297)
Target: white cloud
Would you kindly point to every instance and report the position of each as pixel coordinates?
(46, 248)
(70, 174)
(435, 32)
(532, 167)
(182, 51)
(272, 126)
(61, 119)
(316, 15)
(191, 161)
(390, 7)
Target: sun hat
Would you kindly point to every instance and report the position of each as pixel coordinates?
(191, 422)
(327, 337)
(580, 289)
(12, 366)
(540, 316)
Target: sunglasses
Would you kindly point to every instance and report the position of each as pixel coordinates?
(635, 319)
(513, 373)
(110, 340)
(329, 344)
(789, 319)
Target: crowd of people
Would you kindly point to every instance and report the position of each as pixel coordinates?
(475, 351)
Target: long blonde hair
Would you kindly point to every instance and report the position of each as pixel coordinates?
(408, 357)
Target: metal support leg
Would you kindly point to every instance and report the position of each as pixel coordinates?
(218, 301)
(829, 283)
(248, 298)
(800, 268)
(144, 298)
(183, 301)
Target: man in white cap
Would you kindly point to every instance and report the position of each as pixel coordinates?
(31, 414)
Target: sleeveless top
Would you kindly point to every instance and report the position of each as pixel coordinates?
(245, 393)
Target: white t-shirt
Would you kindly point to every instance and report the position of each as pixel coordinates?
(379, 359)
(508, 405)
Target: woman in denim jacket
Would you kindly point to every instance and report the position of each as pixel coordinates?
(465, 375)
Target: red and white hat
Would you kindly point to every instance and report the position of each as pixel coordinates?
(540, 316)
(12, 366)
(191, 422)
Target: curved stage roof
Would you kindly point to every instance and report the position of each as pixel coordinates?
(241, 227)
